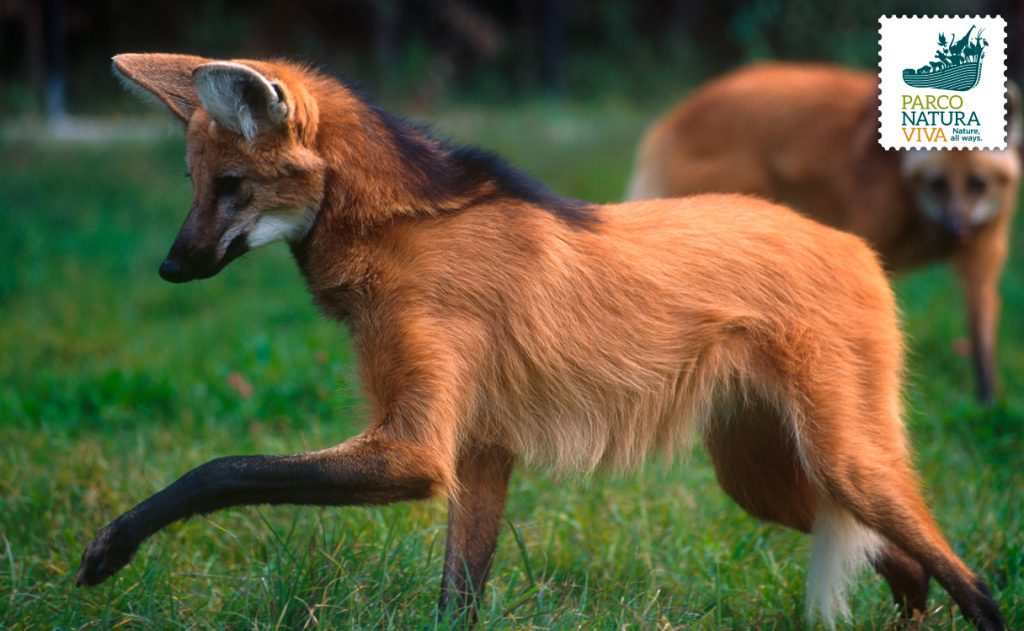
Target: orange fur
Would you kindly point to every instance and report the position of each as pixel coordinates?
(495, 323)
(807, 136)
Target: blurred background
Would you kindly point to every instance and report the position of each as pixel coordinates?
(54, 53)
(113, 383)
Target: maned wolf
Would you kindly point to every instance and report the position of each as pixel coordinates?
(497, 323)
(806, 135)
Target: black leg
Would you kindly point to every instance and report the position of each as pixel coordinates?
(361, 471)
(474, 519)
(907, 579)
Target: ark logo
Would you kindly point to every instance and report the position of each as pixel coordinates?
(954, 99)
(957, 64)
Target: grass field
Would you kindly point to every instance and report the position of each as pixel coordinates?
(113, 383)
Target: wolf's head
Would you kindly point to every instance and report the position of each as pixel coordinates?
(963, 190)
(256, 175)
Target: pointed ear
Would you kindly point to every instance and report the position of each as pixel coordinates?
(241, 99)
(1014, 115)
(166, 77)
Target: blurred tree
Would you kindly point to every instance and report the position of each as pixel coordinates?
(34, 62)
(552, 30)
(56, 61)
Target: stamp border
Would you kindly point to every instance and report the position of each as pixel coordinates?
(881, 96)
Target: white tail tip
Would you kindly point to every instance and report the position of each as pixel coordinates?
(842, 547)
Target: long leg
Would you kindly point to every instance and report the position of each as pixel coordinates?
(757, 464)
(979, 268)
(868, 474)
(888, 502)
(474, 519)
(360, 471)
(907, 579)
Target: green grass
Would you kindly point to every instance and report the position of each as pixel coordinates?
(113, 383)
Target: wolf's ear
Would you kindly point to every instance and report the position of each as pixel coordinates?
(1014, 115)
(166, 77)
(241, 99)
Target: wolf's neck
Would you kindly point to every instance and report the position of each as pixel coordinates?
(383, 168)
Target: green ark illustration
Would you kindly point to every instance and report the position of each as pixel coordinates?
(957, 64)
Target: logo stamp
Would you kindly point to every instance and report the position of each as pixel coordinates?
(942, 82)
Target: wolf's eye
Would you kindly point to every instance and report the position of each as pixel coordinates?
(976, 185)
(226, 185)
(938, 185)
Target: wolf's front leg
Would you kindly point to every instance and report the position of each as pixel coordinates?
(474, 519)
(364, 470)
(980, 267)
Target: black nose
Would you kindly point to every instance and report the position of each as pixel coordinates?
(956, 228)
(173, 270)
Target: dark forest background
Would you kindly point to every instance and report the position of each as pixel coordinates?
(54, 54)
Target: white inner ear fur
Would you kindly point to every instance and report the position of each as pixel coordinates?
(221, 87)
(136, 88)
(290, 225)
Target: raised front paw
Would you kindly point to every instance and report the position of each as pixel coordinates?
(109, 552)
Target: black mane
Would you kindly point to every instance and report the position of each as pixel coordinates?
(476, 165)
(446, 170)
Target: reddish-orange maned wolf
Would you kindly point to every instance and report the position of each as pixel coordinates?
(496, 323)
(806, 135)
